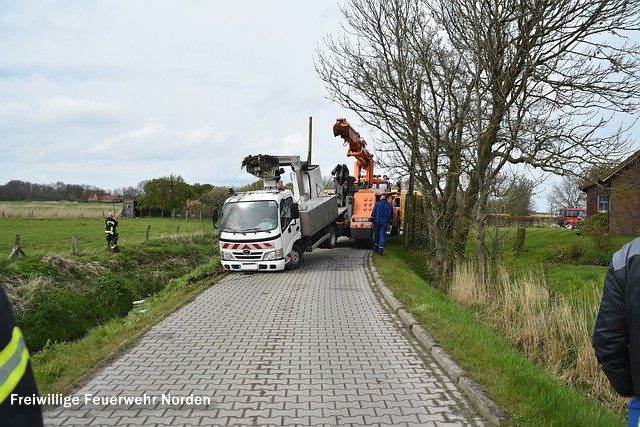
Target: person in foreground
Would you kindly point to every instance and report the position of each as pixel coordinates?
(17, 383)
(616, 333)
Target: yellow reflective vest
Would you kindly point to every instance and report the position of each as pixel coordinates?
(13, 363)
(16, 375)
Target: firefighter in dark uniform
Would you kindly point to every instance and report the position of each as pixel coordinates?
(16, 375)
(110, 225)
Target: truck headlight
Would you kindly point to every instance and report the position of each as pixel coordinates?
(273, 255)
(227, 256)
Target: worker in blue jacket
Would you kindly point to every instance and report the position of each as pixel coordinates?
(381, 215)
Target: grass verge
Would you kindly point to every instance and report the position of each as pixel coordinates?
(58, 299)
(60, 366)
(530, 395)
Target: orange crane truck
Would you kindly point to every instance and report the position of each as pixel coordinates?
(358, 193)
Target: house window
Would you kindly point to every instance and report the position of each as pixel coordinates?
(603, 203)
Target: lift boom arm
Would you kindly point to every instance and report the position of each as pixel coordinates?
(358, 149)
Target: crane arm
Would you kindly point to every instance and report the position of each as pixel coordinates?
(358, 149)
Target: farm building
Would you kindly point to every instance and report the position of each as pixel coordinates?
(129, 208)
(102, 197)
(617, 193)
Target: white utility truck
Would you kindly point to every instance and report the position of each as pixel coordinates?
(270, 229)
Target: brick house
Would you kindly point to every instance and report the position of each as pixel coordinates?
(102, 197)
(617, 193)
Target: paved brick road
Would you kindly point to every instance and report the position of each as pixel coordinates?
(310, 347)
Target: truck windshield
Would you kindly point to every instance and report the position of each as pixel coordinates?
(245, 217)
(574, 213)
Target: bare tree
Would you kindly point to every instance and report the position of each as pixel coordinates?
(551, 75)
(517, 195)
(391, 70)
(566, 194)
(458, 90)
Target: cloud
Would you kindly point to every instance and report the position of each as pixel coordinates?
(60, 109)
(205, 136)
(10, 111)
(110, 93)
(151, 141)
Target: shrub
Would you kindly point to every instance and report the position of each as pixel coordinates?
(594, 246)
(594, 224)
(596, 228)
(57, 299)
(577, 250)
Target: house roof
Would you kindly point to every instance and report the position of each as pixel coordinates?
(101, 197)
(611, 172)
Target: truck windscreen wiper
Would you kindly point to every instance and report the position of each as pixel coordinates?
(250, 230)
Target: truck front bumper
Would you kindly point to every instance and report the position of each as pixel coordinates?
(276, 265)
(363, 233)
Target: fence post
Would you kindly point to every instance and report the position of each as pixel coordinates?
(73, 244)
(16, 248)
(518, 246)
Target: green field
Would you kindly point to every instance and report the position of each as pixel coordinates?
(570, 261)
(42, 236)
(57, 209)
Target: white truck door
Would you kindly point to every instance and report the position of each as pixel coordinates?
(289, 226)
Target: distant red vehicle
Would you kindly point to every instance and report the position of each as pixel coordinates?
(571, 217)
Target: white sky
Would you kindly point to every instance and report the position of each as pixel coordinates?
(110, 93)
(113, 92)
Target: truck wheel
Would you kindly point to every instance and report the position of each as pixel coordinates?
(395, 230)
(330, 243)
(296, 258)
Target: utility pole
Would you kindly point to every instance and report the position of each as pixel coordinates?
(310, 140)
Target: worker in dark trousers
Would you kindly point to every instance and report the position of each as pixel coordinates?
(381, 215)
(110, 227)
(616, 333)
(18, 406)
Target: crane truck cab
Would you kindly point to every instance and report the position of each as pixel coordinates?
(571, 217)
(271, 229)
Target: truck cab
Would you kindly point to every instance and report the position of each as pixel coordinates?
(258, 231)
(571, 217)
(270, 229)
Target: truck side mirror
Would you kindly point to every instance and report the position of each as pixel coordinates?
(214, 217)
(295, 211)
